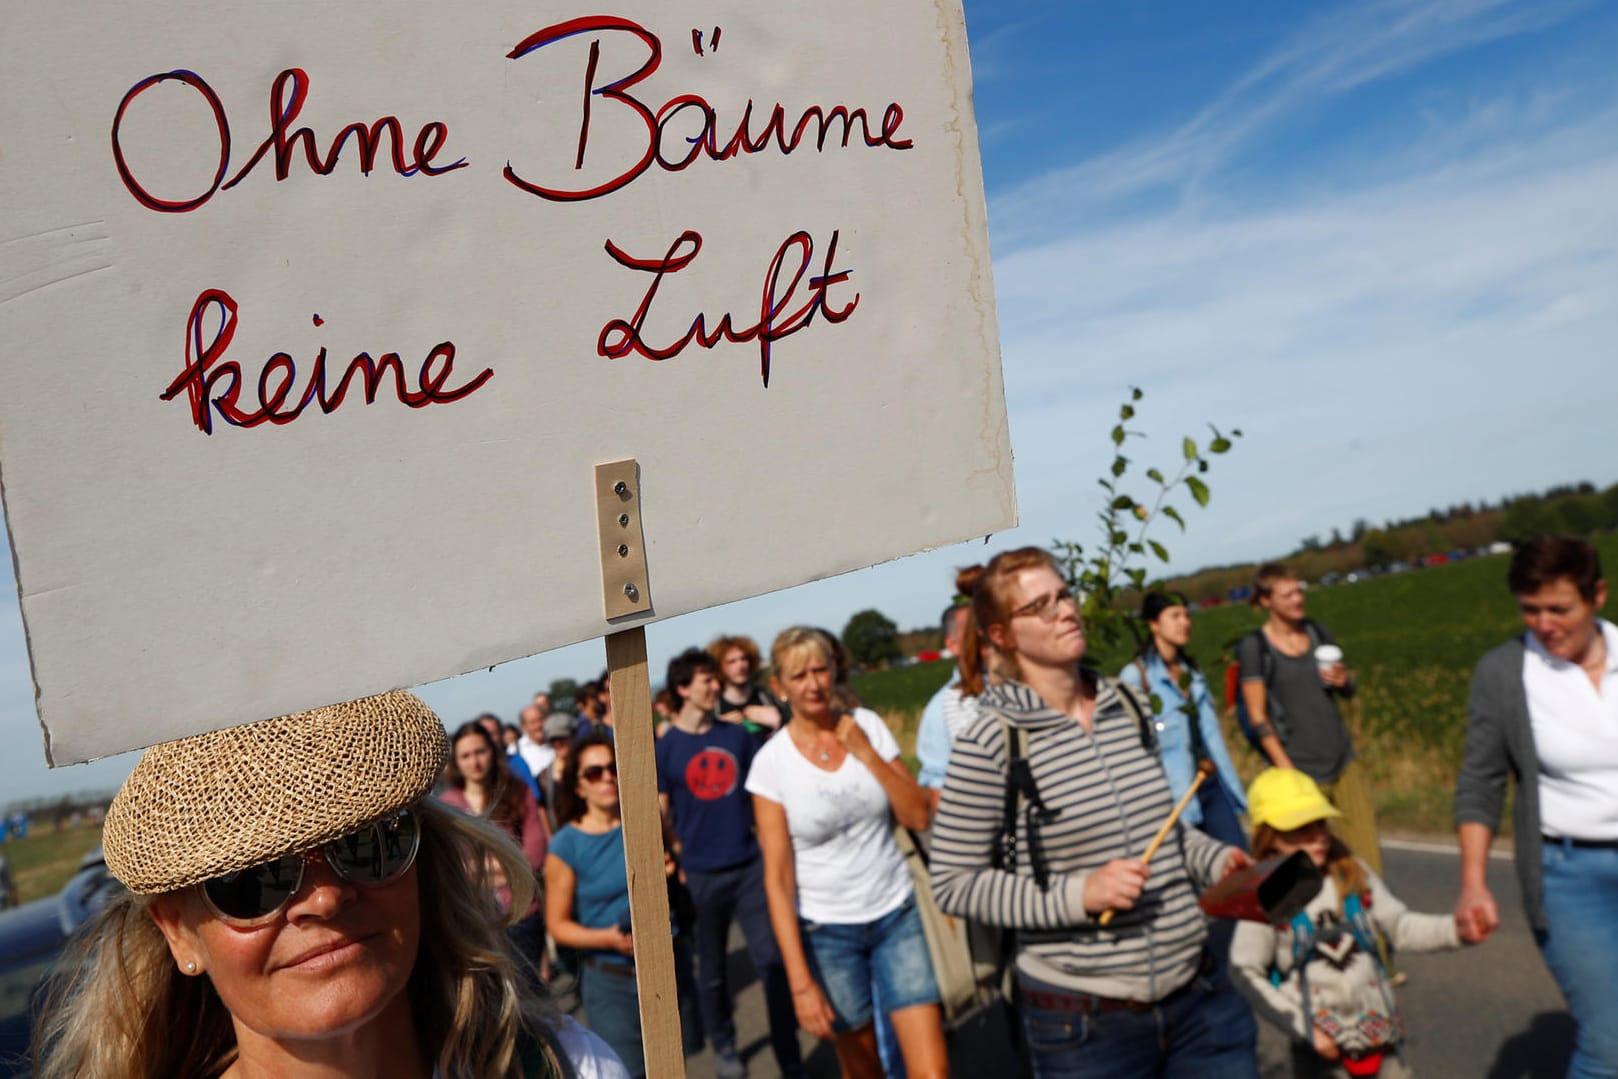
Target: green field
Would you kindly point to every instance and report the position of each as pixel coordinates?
(43, 863)
(1411, 641)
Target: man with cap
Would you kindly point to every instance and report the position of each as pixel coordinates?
(560, 732)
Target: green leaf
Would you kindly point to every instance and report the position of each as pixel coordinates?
(1190, 450)
(1118, 435)
(1219, 445)
(1202, 464)
(1135, 393)
(1122, 502)
(1199, 490)
(1127, 412)
(1174, 515)
(1155, 475)
(1237, 433)
(1118, 538)
(1118, 466)
(1159, 550)
(1135, 548)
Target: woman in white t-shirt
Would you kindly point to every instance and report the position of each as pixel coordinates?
(841, 901)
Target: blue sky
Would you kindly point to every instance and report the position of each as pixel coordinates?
(1380, 238)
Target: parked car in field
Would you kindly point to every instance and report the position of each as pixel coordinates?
(32, 938)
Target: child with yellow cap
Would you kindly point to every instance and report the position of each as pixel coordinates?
(1321, 978)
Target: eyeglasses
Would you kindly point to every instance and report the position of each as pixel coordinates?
(371, 857)
(594, 773)
(1045, 608)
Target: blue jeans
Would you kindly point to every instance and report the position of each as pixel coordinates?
(1581, 950)
(611, 1001)
(737, 894)
(1204, 1031)
(887, 956)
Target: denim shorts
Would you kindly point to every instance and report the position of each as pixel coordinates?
(887, 956)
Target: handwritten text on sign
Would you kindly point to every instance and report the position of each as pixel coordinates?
(211, 382)
(253, 226)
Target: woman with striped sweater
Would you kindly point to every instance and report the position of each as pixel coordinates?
(1130, 998)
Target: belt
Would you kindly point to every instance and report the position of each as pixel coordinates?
(1058, 1000)
(605, 966)
(1584, 844)
(1078, 1003)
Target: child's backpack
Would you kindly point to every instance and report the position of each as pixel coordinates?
(1266, 660)
(1305, 938)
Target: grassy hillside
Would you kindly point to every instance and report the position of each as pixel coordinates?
(43, 862)
(1411, 640)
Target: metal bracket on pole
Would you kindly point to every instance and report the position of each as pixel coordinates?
(625, 589)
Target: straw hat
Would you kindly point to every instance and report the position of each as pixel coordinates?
(215, 803)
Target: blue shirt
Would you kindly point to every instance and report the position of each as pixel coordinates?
(1174, 731)
(933, 741)
(703, 775)
(520, 769)
(601, 883)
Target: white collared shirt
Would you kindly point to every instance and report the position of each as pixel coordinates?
(1576, 737)
(537, 755)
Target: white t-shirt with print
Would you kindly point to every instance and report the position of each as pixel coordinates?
(849, 869)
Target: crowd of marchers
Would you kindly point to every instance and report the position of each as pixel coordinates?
(334, 906)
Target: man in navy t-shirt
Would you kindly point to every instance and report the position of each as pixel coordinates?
(701, 774)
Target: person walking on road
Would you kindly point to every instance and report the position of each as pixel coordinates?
(1321, 978)
(1291, 695)
(951, 710)
(825, 795)
(1188, 728)
(1544, 711)
(702, 766)
(1136, 996)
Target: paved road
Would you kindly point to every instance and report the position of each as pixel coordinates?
(1490, 1012)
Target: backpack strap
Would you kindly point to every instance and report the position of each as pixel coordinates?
(1132, 705)
(1022, 798)
(1303, 947)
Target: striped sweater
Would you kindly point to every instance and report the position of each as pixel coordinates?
(1110, 797)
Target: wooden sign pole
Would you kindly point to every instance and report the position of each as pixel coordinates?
(626, 592)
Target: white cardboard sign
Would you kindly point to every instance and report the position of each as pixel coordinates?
(316, 320)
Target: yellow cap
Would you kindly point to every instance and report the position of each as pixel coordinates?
(1285, 799)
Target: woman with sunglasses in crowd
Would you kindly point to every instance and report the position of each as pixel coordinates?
(300, 908)
(587, 904)
(479, 783)
(825, 795)
(1130, 998)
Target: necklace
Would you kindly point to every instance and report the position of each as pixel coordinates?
(808, 746)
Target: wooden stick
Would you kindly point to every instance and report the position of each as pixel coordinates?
(643, 852)
(1204, 770)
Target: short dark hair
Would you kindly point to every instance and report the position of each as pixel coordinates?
(684, 667)
(950, 614)
(1545, 560)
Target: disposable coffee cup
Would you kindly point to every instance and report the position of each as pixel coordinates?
(1328, 655)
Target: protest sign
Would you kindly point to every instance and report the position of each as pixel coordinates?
(317, 320)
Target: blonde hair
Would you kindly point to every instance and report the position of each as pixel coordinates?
(119, 1008)
(796, 640)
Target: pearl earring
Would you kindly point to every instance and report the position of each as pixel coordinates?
(190, 967)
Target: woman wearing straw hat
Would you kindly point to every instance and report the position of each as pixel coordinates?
(300, 908)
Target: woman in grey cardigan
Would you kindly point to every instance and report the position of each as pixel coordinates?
(1544, 710)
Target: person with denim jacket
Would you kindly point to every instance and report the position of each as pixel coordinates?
(1187, 722)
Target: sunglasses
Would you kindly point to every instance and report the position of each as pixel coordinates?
(372, 856)
(594, 773)
(1046, 607)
